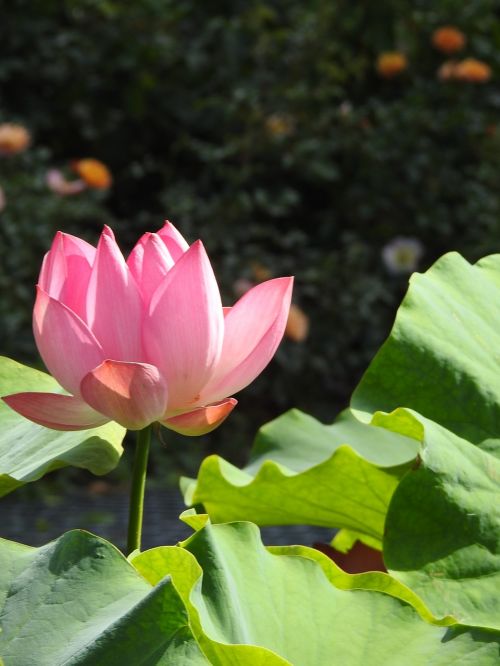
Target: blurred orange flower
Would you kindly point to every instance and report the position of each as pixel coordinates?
(472, 71)
(391, 63)
(448, 39)
(447, 71)
(13, 139)
(297, 326)
(94, 173)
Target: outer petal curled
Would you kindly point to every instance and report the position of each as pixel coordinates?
(253, 330)
(56, 411)
(201, 420)
(67, 346)
(183, 332)
(133, 394)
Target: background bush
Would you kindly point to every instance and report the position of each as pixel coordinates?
(264, 129)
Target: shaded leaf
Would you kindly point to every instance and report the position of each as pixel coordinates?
(78, 602)
(443, 529)
(28, 451)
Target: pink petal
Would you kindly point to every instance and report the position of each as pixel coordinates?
(67, 346)
(53, 272)
(253, 330)
(114, 307)
(135, 259)
(66, 271)
(56, 411)
(201, 420)
(184, 328)
(133, 394)
(175, 242)
(156, 264)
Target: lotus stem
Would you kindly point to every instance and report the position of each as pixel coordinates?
(139, 472)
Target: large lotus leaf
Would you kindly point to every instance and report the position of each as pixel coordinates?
(303, 472)
(78, 602)
(239, 595)
(28, 451)
(442, 356)
(443, 528)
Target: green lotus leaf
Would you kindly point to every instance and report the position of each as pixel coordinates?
(300, 608)
(442, 535)
(344, 478)
(442, 356)
(28, 451)
(78, 602)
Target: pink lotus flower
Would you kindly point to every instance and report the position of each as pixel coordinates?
(146, 339)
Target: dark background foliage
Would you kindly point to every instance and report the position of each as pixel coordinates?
(263, 128)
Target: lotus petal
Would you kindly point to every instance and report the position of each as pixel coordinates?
(132, 394)
(67, 346)
(173, 239)
(183, 331)
(56, 411)
(201, 420)
(114, 306)
(254, 328)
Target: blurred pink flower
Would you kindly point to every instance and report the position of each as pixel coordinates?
(146, 339)
(57, 183)
(242, 285)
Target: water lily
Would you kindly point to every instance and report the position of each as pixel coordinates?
(146, 340)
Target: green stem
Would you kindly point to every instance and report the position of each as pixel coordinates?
(137, 490)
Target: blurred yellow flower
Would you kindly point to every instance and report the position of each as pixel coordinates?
(13, 139)
(448, 39)
(391, 64)
(472, 71)
(280, 124)
(94, 173)
(297, 326)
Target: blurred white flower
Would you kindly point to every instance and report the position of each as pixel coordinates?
(402, 255)
(345, 109)
(57, 183)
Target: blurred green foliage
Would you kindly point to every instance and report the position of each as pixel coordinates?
(264, 129)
